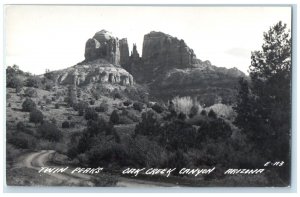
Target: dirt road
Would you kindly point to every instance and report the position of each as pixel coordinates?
(36, 160)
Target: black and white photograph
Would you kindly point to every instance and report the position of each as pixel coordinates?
(147, 96)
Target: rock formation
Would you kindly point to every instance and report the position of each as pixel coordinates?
(96, 71)
(104, 45)
(124, 51)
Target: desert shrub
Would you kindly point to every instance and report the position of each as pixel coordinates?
(158, 108)
(14, 82)
(108, 154)
(65, 124)
(212, 114)
(33, 82)
(176, 160)
(69, 117)
(56, 105)
(131, 114)
(125, 120)
(9, 105)
(53, 121)
(149, 125)
(223, 110)
(49, 131)
(181, 116)
(178, 135)
(137, 93)
(20, 126)
(80, 107)
(90, 114)
(30, 92)
(49, 75)
(99, 126)
(215, 129)
(127, 103)
(72, 125)
(36, 116)
(48, 101)
(92, 102)
(28, 105)
(102, 108)
(114, 117)
(194, 111)
(203, 112)
(53, 98)
(138, 106)
(48, 86)
(183, 104)
(23, 140)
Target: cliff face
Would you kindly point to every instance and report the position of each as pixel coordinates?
(166, 51)
(171, 68)
(105, 46)
(96, 71)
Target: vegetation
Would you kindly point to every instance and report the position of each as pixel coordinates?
(28, 105)
(36, 116)
(264, 105)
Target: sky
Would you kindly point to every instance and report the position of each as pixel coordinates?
(40, 37)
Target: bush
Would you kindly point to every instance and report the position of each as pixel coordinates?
(33, 82)
(194, 111)
(23, 140)
(125, 120)
(102, 108)
(53, 121)
(20, 126)
(212, 114)
(118, 95)
(138, 106)
(28, 105)
(181, 116)
(30, 92)
(49, 131)
(203, 112)
(92, 102)
(65, 124)
(114, 117)
(14, 82)
(158, 108)
(48, 101)
(149, 125)
(36, 116)
(90, 114)
(183, 104)
(56, 106)
(127, 103)
(72, 125)
(214, 129)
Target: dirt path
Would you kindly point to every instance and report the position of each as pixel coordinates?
(36, 160)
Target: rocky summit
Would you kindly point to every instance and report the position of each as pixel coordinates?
(167, 68)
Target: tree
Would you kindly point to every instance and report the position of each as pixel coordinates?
(36, 116)
(114, 117)
(268, 100)
(28, 105)
(65, 124)
(30, 92)
(90, 114)
(49, 131)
